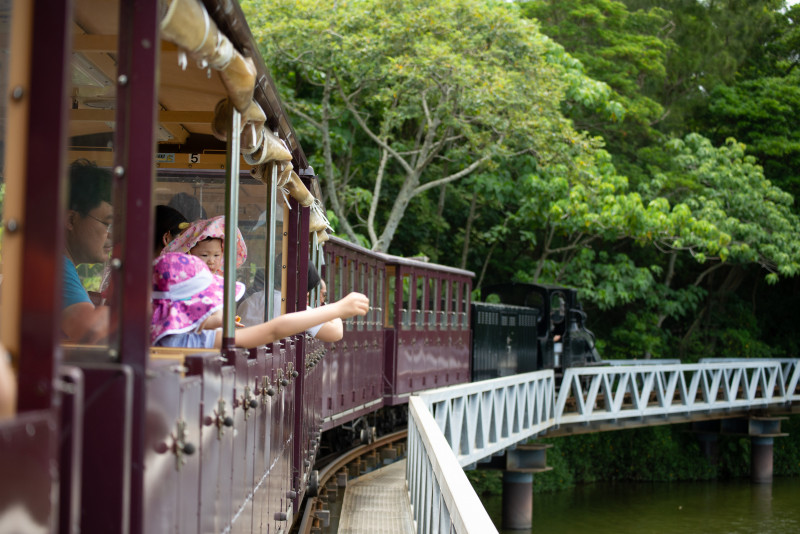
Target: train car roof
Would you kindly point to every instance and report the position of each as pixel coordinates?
(390, 259)
(187, 97)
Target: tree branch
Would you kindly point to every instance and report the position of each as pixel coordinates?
(349, 104)
(460, 174)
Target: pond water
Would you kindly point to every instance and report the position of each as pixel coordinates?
(737, 507)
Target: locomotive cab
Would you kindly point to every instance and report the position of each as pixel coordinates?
(563, 339)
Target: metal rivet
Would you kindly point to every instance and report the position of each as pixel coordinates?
(119, 171)
(116, 263)
(112, 354)
(122, 79)
(11, 225)
(17, 93)
(145, 43)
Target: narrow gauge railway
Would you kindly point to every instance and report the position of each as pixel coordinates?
(172, 100)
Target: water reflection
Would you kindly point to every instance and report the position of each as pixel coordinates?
(707, 507)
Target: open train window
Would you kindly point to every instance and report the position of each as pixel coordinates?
(465, 308)
(199, 193)
(454, 298)
(88, 294)
(431, 311)
(407, 303)
(362, 286)
(445, 302)
(380, 298)
(389, 300)
(420, 300)
(351, 285)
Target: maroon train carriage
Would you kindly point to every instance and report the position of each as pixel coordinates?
(427, 329)
(119, 437)
(415, 337)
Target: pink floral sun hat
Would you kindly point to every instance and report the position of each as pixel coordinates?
(204, 229)
(185, 294)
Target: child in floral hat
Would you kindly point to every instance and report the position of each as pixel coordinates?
(205, 239)
(187, 299)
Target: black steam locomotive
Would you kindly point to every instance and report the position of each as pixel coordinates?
(533, 327)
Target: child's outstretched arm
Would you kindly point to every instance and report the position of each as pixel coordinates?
(294, 323)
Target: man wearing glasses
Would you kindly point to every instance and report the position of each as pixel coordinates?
(88, 240)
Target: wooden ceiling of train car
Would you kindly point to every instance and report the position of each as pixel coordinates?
(186, 97)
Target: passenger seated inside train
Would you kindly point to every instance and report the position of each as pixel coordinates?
(205, 238)
(188, 206)
(88, 240)
(186, 297)
(169, 225)
(252, 307)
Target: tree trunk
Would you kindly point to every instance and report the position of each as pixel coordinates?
(401, 202)
(468, 229)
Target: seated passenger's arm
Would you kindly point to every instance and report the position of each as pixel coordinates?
(83, 323)
(331, 331)
(294, 323)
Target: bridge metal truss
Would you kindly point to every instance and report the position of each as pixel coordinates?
(711, 387)
(456, 427)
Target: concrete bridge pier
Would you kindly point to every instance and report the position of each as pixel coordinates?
(521, 464)
(762, 431)
(517, 500)
(761, 460)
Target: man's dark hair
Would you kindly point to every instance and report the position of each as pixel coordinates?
(89, 185)
(167, 220)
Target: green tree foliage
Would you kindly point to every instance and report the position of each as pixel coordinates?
(442, 129)
(761, 107)
(410, 96)
(624, 48)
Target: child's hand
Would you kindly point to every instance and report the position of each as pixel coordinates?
(353, 304)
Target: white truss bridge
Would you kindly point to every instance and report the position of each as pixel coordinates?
(457, 427)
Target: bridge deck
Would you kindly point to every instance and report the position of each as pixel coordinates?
(377, 503)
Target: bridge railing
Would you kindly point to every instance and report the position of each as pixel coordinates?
(442, 499)
(610, 393)
(456, 427)
(484, 418)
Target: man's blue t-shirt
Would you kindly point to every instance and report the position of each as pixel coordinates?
(74, 291)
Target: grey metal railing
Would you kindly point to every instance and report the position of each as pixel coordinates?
(594, 394)
(442, 499)
(458, 426)
(483, 418)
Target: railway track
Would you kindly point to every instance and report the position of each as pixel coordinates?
(332, 479)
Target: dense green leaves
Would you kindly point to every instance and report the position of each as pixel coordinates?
(429, 92)
(582, 142)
